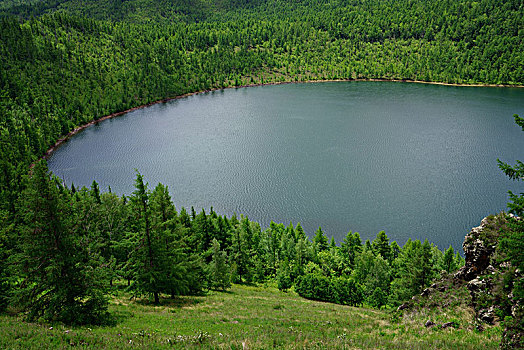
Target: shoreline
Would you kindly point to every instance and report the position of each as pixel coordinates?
(78, 129)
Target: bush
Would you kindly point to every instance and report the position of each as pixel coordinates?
(336, 290)
(378, 298)
(314, 287)
(284, 281)
(347, 291)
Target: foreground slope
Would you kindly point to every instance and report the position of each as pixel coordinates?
(257, 318)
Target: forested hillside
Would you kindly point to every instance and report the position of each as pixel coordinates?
(66, 63)
(63, 69)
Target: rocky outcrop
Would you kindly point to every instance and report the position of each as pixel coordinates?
(485, 278)
(487, 315)
(479, 247)
(478, 252)
(485, 283)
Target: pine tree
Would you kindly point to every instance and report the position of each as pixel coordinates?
(113, 216)
(414, 271)
(5, 285)
(95, 192)
(426, 266)
(448, 260)
(240, 253)
(177, 268)
(220, 275)
(301, 256)
(381, 246)
(223, 232)
(161, 206)
(368, 246)
(395, 250)
(350, 247)
(203, 233)
(332, 243)
(299, 233)
(62, 279)
(511, 249)
(147, 258)
(320, 240)
(378, 298)
(284, 281)
(184, 218)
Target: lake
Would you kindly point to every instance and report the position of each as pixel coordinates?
(415, 160)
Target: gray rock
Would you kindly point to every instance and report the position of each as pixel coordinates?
(403, 307)
(425, 292)
(476, 285)
(490, 269)
(487, 315)
(449, 324)
(429, 324)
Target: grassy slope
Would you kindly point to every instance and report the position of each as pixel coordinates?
(254, 318)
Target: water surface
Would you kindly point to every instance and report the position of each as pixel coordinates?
(415, 160)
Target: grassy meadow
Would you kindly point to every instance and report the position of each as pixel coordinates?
(254, 317)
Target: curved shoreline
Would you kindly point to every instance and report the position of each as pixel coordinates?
(78, 129)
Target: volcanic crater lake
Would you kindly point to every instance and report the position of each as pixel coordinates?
(415, 160)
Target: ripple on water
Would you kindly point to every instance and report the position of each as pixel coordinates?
(415, 160)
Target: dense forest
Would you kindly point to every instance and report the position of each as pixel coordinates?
(63, 67)
(66, 63)
(75, 242)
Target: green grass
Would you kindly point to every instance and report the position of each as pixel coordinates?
(251, 317)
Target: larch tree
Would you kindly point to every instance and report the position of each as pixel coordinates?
(448, 260)
(61, 278)
(146, 260)
(219, 271)
(511, 249)
(320, 240)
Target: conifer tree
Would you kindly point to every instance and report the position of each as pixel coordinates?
(62, 279)
(95, 192)
(223, 234)
(381, 246)
(350, 247)
(395, 250)
(368, 246)
(5, 285)
(220, 275)
(332, 243)
(511, 249)
(363, 265)
(299, 233)
(320, 240)
(113, 219)
(240, 253)
(184, 218)
(161, 206)
(378, 298)
(448, 260)
(284, 281)
(414, 271)
(147, 258)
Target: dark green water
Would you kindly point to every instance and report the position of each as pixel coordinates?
(418, 161)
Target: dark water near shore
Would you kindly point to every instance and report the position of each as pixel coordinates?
(415, 160)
